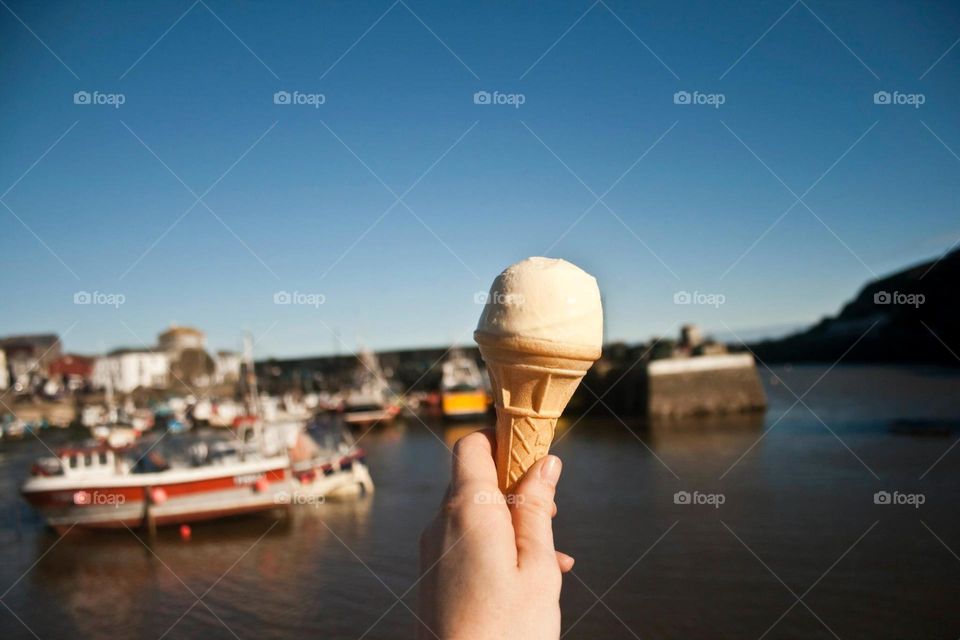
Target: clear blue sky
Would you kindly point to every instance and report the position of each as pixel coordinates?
(598, 83)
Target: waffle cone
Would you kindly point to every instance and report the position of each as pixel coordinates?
(533, 380)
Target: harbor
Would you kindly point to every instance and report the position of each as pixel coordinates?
(178, 460)
(172, 463)
(309, 549)
(479, 321)
(323, 487)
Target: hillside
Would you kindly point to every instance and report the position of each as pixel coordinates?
(908, 311)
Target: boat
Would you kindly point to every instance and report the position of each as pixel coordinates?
(360, 414)
(174, 478)
(326, 462)
(369, 402)
(12, 428)
(463, 393)
(116, 435)
(203, 474)
(114, 425)
(164, 479)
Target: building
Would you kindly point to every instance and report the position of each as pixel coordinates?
(74, 370)
(44, 347)
(72, 365)
(129, 369)
(177, 339)
(690, 336)
(4, 374)
(28, 356)
(227, 367)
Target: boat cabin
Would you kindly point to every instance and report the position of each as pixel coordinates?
(78, 462)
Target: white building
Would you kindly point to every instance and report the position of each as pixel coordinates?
(128, 369)
(4, 374)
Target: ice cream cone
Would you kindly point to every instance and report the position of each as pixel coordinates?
(533, 380)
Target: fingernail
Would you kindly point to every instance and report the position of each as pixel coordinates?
(550, 471)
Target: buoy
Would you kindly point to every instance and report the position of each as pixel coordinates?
(158, 495)
(262, 484)
(185, 532)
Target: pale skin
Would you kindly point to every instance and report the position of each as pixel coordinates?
(488, 565)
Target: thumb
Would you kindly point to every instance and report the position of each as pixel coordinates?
(532, 513)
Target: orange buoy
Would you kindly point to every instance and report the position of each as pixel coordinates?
(158, 495)
(185, 532)
(262, 484)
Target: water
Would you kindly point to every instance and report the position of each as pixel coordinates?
(794, 509)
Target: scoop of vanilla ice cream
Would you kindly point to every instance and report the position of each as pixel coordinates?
(545, 299)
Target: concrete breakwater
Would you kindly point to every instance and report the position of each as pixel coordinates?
(702, 385)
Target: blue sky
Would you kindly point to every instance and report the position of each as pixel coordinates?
(301, 196)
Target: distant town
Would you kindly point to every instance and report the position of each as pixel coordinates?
(37, 364)
(41, 383)
(873, 327)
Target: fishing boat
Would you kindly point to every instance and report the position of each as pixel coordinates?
(326, 462)
(369, 401)
(179, 478)
(165, 479)
(199, 474)
(463, 393)
(113, 425)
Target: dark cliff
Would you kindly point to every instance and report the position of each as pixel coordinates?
(907, 317)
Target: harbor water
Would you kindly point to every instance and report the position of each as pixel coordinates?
(825, 517)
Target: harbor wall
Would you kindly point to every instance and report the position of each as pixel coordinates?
(703, 385)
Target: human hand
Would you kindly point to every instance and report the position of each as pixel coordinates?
(487, 562)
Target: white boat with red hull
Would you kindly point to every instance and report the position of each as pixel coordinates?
(181, 478)
(171, 480)
(202, 474)
(325, 461)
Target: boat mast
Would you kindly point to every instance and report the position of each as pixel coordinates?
(253, 394)
(110, 400)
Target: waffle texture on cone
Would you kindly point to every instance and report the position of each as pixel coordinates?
(540, 331)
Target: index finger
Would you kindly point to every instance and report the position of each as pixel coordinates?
(473, 462)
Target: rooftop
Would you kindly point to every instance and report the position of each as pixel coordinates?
(175, 330)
